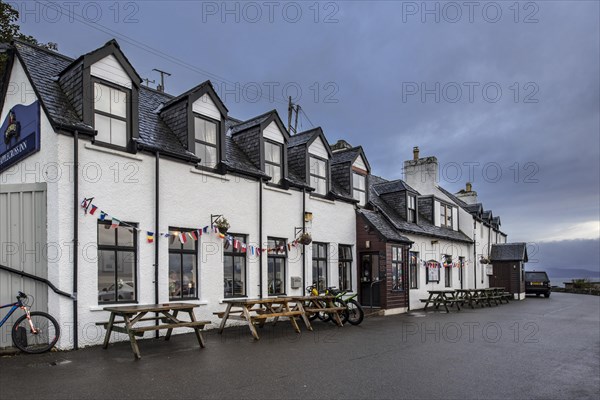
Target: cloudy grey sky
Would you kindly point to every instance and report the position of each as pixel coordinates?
(508, 91)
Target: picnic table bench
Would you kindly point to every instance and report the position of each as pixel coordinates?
(259, 310)
(132, 315)
(442, 297)
(319, 304)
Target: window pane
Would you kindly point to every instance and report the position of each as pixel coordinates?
(102, 98)
(118, 104)
(106, 276)
(317, 167)
(189, 276)
(190, 243)
(125, 275)
(358, 181)
(174, 242)
(228, 276)
(125, 236)
(274, 172)
(319, 184)
(239, 282)
(102, 125)
(273, 153)
(118, 132)
(106, 236)
(205, 130)
(174, 275)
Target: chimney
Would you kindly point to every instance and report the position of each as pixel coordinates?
(415, 153)
(468, 195)
(421, 173)
(340, 145)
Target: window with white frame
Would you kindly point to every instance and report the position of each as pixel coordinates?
(205, 136)
(318, 175)
(110, 115)
(445, 216)
(397, 262)
(412, 208)
(359, 188)
(273, 161)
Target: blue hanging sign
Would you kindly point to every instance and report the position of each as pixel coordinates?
(20, 134)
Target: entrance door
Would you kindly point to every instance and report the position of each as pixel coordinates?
(370, 293)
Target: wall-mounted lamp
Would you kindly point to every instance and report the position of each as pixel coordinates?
(308, 216)
(434, 242)
(368, 244)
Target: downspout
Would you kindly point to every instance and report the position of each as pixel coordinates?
(303, 247)
(475, 253)
(260, 236)
(156, 230)
(75, 235)
(488, 250)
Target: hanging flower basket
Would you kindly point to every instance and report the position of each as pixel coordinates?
(222, 225)
(305, 239)
(448, 262)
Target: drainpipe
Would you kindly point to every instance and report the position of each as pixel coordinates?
(303, 247)
(260, 236)
(475, 253)
(156, 230)
(75, 235)
(488, 249)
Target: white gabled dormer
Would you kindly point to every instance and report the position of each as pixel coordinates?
(445, 215)
(319, 155)
(360, 171)
(110, 95)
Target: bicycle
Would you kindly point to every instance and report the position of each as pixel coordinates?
(338, 302)
(354, 312)
(34, 332)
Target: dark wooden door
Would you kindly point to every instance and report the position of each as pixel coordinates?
(501, 276)
(370, 292)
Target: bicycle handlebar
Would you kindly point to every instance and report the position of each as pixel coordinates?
(21, 295)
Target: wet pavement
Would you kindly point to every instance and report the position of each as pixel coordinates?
(537, 348)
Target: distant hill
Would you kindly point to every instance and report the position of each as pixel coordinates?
(559, 275)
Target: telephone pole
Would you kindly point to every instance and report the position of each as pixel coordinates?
(161, 87)
(293, 108)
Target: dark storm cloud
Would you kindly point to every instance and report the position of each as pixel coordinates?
(373, 52)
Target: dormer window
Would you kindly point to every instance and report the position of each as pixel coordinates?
(205, 137)
(445, 216)
(359, 188)
(111, 115)
(318, 175)
(273, 161)
(412, 209)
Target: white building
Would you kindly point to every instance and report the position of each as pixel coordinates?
(158, 170)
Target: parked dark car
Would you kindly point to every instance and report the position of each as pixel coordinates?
(537, 282)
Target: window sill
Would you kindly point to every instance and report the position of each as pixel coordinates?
(206, 173)
(321, 198)
(101, 308)
(276, 189)
(120, 153)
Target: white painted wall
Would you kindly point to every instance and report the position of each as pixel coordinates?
(111, 70)
(272, 132)
(360, 163)
(317, 148)
(207, 107)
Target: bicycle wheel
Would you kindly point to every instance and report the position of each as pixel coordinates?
(323, 316)
(355, 312)
(344, 313)
(45, 336)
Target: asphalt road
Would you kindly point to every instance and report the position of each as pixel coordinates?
(537, 348)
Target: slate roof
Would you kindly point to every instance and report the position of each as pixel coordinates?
(509, 252)
(238, 161)
(392, 187)
(302, 137)
(380, 223)
(256, 121)
(44, 67)
(423, 227)
(344, 156)
(452, 197)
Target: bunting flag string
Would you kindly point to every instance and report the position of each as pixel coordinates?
(183, 237)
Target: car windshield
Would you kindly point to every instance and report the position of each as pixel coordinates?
(536, 276)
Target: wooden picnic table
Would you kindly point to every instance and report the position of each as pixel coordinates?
(319, 304)
(259, 310)
(133, 315)
(442, 297)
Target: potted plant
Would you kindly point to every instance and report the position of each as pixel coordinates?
(222, 225)
(305, 239)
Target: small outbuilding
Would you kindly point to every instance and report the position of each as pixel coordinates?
(508, 267)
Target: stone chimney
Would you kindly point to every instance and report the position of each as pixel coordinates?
(421, 173)
(340, 145)
(468, 195)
